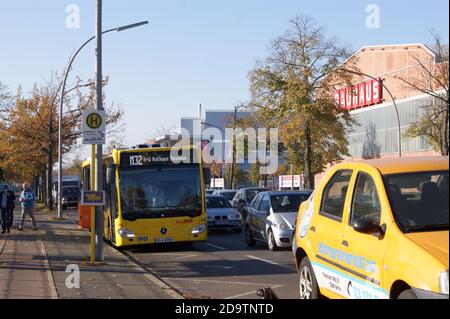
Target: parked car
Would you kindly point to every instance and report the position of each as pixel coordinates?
(376, 229)
(272, 216)
(209, 191)
(221, 215)
(243, 198)
(71, 195)
(227, 193)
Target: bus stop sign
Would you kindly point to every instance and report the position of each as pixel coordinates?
(93, 127)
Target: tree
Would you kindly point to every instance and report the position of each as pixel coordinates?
(293, 90)
(432, 79)
(371, 149)
(30, 128)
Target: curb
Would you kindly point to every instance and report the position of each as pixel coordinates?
(50, 277)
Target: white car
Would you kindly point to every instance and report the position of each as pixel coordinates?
(221, 215)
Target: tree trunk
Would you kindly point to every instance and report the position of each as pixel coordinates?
(49, 201)
(309, 177)
(446, 147)
(43, 191)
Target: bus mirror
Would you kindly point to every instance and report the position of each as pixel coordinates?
(110, 171)
(207, 175)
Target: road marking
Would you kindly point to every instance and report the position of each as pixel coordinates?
(215, 246)
(181, 256)
(221, 282)
(261, 259)
(219, 267)
(250, 293)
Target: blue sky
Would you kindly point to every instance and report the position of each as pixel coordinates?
(193, 51)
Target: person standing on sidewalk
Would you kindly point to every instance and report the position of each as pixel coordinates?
(27, 200)
(7, 199)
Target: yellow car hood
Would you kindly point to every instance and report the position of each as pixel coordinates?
(436, 243)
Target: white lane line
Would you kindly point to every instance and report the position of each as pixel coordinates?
(261, 259)
(250, 293)
(220, 282)
(180, 256)
(215, 246)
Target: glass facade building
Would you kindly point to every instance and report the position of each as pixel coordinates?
(383, 118)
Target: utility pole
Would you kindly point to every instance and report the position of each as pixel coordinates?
(99, 147)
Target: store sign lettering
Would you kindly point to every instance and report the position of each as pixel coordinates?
(360, 95)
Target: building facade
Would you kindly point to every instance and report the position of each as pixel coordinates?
(377, 117)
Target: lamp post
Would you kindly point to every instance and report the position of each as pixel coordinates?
(122, 28)
(393, 101)
(236, 108)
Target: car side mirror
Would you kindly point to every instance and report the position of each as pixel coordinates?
(364, 226)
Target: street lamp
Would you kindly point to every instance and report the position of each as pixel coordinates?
(236, 108)
(393, 101)
(121, 28)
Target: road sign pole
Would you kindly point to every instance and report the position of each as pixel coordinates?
(99, 152)
(92, 213)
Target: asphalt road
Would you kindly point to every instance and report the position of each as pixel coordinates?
(224, 267)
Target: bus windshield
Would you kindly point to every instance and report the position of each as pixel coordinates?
(160, 192)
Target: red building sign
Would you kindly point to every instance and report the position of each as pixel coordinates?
(360, 95)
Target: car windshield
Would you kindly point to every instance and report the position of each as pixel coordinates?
(251, 193)
(287, 202)
(217, 202)
(228, 195)
(419, 200)
(160, 192)
(71, 191)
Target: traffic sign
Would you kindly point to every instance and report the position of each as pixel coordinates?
(93, 198)
(93, 127)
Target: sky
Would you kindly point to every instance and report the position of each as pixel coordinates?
(191, 52)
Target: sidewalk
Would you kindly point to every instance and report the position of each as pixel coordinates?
(33, 265)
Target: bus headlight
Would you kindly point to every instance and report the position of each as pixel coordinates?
(126, 233)
(443, 282)
(198, 229)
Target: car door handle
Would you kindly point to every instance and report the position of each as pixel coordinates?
(313, 229)
(344, 243)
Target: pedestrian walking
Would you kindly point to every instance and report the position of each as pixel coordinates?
(7, 205)
(27, 200)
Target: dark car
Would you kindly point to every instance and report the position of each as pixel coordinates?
(70, 196)
(243, 198)
(271, 218)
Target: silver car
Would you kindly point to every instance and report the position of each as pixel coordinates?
(228, 193)
(271, 218)
(221, 215)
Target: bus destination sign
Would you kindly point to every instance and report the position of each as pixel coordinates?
(155, 158)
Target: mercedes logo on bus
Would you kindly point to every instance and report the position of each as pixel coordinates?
(163, 230)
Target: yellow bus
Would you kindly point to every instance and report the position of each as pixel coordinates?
(153, 196)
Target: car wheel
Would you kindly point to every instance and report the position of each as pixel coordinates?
(249, 238)
(407, 294)
(271, 241)
(308, 287)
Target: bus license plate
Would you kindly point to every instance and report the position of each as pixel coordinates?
(163, 240)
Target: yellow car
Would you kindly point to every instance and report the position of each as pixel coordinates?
(376, 229)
